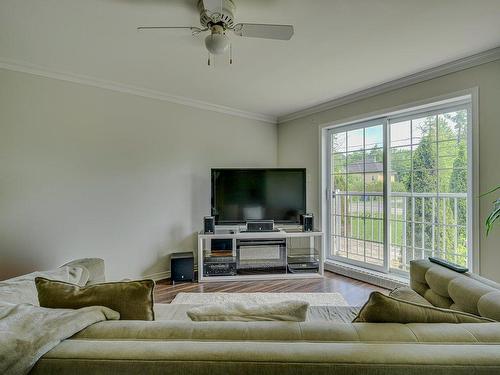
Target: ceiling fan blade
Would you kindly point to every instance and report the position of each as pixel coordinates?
(192, 28)
(257, 30)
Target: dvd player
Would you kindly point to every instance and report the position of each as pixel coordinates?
(219, 266)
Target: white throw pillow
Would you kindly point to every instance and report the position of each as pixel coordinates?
(292, 311)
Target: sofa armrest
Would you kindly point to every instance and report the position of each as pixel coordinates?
(95, 267)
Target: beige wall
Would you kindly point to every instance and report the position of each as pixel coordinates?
(88, 172)
(298, 140)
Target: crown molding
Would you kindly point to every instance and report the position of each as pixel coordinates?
(425, 75)
(132, 90)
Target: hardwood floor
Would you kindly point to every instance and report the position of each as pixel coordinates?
(355, 292)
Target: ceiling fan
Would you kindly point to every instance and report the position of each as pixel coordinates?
(217, 17)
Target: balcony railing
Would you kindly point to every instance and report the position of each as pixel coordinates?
(421, 225)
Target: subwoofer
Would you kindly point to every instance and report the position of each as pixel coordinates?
(182, 267)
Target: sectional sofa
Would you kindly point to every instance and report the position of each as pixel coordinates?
(167, 346)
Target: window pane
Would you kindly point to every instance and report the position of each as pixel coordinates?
(374, 230)
(424, 155)
(339, 182)
(355, 140)
(400, 158)
(339, 163)
(339, 225)
(374, 160)
(401, 182)
(355, 227)
(400, 133)
(355, 205)
(339, 142)
(424, 181)
(339, 246)
(448, 152)
(374, 137)
(355, 182)
(444, 180)
(374, 206)
(355, 162)
(423, 128)
(452, 125)
(374, 182)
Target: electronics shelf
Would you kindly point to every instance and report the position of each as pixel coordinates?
(233, 254)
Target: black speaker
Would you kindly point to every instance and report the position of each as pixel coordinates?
(307, 222)
(182, 267)
(209, 224)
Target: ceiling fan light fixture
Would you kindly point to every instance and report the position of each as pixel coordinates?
(216, 43)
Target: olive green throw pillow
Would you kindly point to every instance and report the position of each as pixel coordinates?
(132, 299)
(409, 295)
(385, 309)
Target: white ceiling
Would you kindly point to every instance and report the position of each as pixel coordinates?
(339, 46)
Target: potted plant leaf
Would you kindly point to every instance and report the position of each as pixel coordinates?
(495, 213)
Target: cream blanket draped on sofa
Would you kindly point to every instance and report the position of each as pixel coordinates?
(28, 331)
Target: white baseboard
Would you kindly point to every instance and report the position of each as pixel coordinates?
(157, 276)
(368, 276)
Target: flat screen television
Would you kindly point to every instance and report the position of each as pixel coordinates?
(240, 195)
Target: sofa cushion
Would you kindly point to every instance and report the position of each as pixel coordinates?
(437, 300)
(384, 309)
(292, 331)
(132, 299)
(291, 311)
(438, 279)
(466, 293)
(489, 305)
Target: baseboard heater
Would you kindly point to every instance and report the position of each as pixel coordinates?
(371, 277)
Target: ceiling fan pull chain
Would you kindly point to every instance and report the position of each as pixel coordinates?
(231, 54)
(209, 59)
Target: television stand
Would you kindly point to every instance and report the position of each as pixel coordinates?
(234, 254)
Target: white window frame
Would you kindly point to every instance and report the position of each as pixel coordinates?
(429, 105)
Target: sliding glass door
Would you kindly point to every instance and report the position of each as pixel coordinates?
(357, 209)
(398, 189)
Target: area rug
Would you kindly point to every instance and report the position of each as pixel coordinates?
(314, 299)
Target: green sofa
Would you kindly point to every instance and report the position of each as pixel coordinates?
(314, 347)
